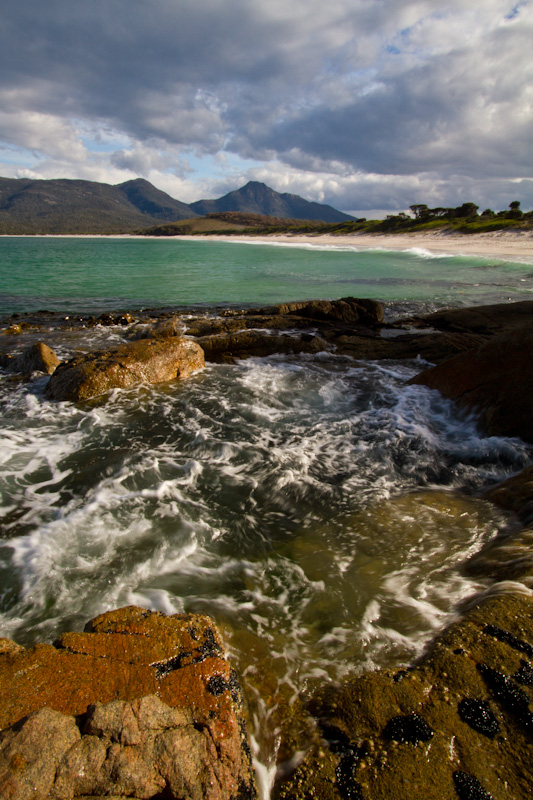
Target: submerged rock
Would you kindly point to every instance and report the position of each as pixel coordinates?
(145, 361)
(125, 709)
(456, 725)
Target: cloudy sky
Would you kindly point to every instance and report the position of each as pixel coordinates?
(363, 104)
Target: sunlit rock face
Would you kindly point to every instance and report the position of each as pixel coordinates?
(138, 705)
(147, 361)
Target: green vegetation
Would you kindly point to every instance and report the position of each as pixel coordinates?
(463, 219)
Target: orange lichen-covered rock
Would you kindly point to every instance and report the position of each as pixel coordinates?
(103, 678)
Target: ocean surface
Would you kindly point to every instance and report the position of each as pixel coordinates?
(318, 508)
(87, 274)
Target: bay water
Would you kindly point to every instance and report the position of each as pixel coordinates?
(318, 508)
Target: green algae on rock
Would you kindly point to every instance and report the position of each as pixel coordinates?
(455, 726)
(434, 691)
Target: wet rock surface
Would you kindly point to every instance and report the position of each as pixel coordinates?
(37, 357)
(125, 709)
(515, 494)
(349, 326)
(494, 381)
(228, 347)
(149, 361)
(347, 309)
(488, 320)
(457, 725)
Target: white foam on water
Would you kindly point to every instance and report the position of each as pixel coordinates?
(422, 252)
(307, 503)
(318, 246)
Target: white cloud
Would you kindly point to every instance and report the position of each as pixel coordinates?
(42, 133)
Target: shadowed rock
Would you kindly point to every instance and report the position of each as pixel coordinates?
(361, 311)
(38, 357)
(494, 380)
(226, 347)
(162, 329)
(486, 320)
(515, 494)
(145, 361)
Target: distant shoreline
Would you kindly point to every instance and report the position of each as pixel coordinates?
(502, 244)
(514, 245)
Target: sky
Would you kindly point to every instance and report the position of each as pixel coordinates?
(368, 105)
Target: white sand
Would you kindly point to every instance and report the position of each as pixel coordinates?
(516, 246)
(508, 245)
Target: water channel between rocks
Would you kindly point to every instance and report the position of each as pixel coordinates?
(319, 509)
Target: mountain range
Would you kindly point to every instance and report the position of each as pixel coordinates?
(30, 206)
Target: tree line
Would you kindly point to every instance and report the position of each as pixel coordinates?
(465, 213)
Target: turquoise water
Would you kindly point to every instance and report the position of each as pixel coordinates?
(95, 274)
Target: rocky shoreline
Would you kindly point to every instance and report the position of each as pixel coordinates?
(486, 349)
(458, 724)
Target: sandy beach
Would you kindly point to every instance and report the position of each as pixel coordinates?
(513, 245)
(502, 244)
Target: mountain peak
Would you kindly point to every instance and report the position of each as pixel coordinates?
(76, 206)
(258, 198)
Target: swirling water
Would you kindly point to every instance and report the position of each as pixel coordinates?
(320, 509)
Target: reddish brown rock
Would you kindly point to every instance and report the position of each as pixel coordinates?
(162, 329)
(139, 704)
(145, 361)
(347, 309)
(433, 347)
(494, 380)
(486, 320)
(361, 311)
(515, 494)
